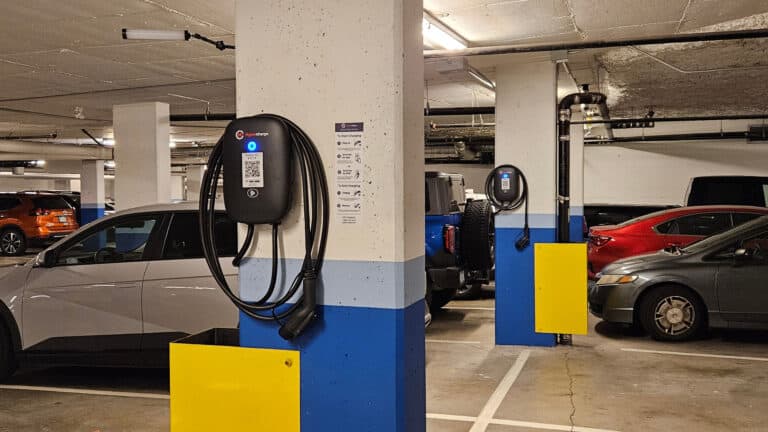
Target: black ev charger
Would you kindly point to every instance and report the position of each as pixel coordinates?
(507, 188)
(258, 155)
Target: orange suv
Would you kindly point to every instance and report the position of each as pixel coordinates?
(33, 219)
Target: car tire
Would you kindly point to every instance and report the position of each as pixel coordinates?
(672, 313)
(477, 234)
(470, 291)
(12, 242)
(7, 358)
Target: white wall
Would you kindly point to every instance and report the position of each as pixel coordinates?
(474, 175)
(660, 172)
(14, 184)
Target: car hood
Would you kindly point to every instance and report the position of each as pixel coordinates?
(641, 262)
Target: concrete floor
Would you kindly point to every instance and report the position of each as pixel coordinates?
(596, 385)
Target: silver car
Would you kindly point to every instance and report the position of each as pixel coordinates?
(721, 281)
(117, 290)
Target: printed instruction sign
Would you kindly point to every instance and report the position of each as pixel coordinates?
(350, 146)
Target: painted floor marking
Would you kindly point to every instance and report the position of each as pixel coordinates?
(690, 354)
(489, 410)
(86, 392)
(517, 423)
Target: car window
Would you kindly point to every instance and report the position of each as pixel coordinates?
(704, 224)
(740, 218)
(8, 203)
(757, 245)
(183, 240)
(51, 203)
(121, 241)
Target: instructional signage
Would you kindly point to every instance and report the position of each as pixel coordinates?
(349, 172)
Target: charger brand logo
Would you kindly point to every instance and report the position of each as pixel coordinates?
(252, 193)
(256, 134)
(240, 134)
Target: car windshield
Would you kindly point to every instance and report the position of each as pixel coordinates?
(51, 203)
(704, 244)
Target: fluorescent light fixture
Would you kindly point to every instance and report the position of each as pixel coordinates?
(172, 144)
(140, 34)
(108, 142)
(40, 163)
(109, 164)
(438, 34)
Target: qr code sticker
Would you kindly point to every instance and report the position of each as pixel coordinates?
(253, 170)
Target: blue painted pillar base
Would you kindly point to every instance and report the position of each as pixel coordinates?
(90, 213)
(362, 369)
(576, 229)
(515, 306)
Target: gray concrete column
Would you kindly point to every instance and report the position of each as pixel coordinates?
(142, 154)
(91, 190)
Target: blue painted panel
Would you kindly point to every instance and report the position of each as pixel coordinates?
(362, 369)
(515, 311)
(90, 214)
(576, 229)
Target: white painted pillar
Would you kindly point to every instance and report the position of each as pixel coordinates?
(526, 129)
(193, 181)
(91, 190)
(577, 180)
(327, 66)
(142, 154)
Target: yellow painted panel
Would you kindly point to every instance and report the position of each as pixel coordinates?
(232, 389)
(561, 288)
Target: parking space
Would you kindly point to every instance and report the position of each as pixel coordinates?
(611, 380)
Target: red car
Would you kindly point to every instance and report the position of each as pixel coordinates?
(656, 231)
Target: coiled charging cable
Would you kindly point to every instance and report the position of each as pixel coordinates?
(525, 237)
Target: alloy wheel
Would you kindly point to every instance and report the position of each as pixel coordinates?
(10, 243)
(674, 315)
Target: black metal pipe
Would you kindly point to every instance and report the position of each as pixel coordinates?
(564, 158)
(429, 112)
(677, 119)
(678, 38)
(706, 136)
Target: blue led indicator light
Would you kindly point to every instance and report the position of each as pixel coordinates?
(505, 176)
(251, 146)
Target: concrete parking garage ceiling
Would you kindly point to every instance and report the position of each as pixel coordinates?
(63, 66)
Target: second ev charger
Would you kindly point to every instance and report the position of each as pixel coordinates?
(507, 188)
(260, 156)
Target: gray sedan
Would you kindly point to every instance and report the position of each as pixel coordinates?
(721, 281)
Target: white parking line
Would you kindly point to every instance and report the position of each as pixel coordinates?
(86, 392)
(469, 308)
(517, 423)
(489, 410)
(454, 342)
(689, 354)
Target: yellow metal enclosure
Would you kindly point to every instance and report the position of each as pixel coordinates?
(561, 288)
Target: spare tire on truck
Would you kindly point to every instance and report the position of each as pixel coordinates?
(477, 233)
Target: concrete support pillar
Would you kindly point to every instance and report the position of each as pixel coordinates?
(526, 98)
(91, 190)
(142, 154)
(577, 180)
(193, 180)
(326, 65)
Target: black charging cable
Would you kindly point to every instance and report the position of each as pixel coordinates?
(294, 318)
(525, 238)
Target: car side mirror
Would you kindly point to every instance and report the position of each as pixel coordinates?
(46, 259)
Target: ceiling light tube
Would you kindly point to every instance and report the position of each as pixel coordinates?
(140, 34)
(438, 34)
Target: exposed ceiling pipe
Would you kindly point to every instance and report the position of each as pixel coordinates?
(564, 157)
(48, 151)
(677, 119)
(532, 48)
(704, 136)
(428, 112)
(30, 137)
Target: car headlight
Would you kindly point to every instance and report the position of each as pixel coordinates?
(616, 279)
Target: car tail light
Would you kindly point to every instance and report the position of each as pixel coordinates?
(599, 240)
(449, 238)
(40, 212)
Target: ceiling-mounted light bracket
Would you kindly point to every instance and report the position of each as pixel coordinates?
(169, 35)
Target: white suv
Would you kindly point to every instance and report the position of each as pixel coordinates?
(116, 291)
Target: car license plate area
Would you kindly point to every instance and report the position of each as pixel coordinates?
(63, 219)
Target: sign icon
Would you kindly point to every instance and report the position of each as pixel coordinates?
(240, 134)
(252, 193)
